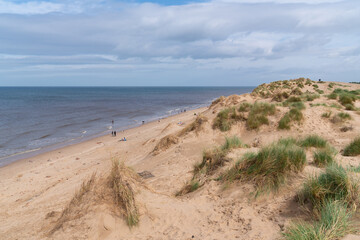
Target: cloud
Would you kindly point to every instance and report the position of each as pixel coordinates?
(273, 37)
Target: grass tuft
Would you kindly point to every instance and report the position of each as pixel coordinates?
(333, 185)
(334, 223)
(326, 114)
(258, 115)
(353, 149)
(226, 118)
(270, 167)
(324, 157)
(123, 193)
(211, 161)
(313, 141)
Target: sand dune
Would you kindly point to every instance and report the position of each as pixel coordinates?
(35, 192)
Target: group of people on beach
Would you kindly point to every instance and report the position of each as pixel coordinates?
(113, 133)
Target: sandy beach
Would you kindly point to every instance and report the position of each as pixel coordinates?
(34, 192)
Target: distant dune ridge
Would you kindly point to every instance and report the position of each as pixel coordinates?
(282, 162)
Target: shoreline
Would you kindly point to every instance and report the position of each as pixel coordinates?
(11, 159)
(68, 149)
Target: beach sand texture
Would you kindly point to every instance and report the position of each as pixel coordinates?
(34, 192)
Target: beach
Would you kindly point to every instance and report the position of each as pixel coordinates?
(35, 191)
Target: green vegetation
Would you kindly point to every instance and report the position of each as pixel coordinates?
(334, 223)
(333, 185)
(192, 186)
(326, 114)
(278, 97)
(355, 169)
(297, 105)
(334, 105)
(353, 149)
(313, 141)
(332, 96)
(270, 167)
(226, 118)
(340, 117)
(344, 116)
(331, 85)
(350, 107)
(310, 97)
(324, 156)
(244, 107)
(315, 86)
(347, 97)
(293, 115)
(258, 115)
(296, 91)
(211, 161)
(319, 91)
(293, 99)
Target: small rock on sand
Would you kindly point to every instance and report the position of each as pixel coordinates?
(146, 174)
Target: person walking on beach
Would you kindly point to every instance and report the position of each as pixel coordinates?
(114, 133)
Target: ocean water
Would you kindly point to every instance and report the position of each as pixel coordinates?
(36, 118)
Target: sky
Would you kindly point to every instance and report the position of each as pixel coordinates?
(177, 43)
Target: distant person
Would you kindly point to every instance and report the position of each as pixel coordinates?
(143, 122)
(114, 133)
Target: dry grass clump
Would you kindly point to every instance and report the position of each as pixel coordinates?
(195, 126)
(258, 115)
(123, 193)
(353, 149)
(334, 184)
(334, 223)
(73, 211)
(212, 160)
(270, 167)
(165, 143)
(218, 100)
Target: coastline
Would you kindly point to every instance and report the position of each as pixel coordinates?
(8, 160)
(36, 192)
(42, 155)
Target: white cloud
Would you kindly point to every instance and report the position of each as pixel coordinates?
(272, 37)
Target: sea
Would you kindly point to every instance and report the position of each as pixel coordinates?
(38, 119)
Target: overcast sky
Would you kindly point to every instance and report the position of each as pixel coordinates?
(177, 43)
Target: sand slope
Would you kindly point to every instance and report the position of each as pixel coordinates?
(34, 192)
